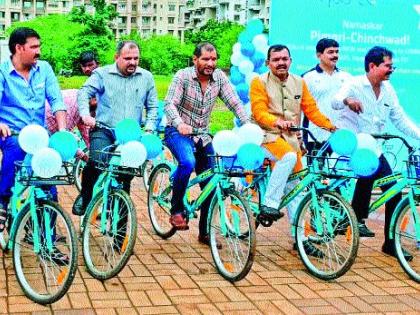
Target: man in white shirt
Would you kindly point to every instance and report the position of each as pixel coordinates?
(324, 81)
(366, 102)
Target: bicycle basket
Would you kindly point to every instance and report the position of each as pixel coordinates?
(330, 166)
(227, 165)
(110, 161)
(26, 177)
(413, 167)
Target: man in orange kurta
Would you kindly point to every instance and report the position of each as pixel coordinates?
(277, 100)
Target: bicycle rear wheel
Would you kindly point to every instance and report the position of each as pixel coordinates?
(47, 275)
(109, 234)
(405, 237)
(159, 200)
(232, 235)
(326, 255)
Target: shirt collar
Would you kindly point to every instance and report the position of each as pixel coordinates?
(12, 68)
(114, 70)
(319, 69)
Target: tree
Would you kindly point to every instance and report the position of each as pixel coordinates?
(222, 34)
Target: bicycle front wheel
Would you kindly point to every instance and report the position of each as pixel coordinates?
(159, 200)
(148, 166)
(109, 234)
(232, 235)
(78, 170)
(328, 239)
(407, 246)
(46, 275)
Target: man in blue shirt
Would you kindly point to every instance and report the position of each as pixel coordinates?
(25, 84)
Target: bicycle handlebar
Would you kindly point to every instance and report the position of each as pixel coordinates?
(296, 129)
(387, 136)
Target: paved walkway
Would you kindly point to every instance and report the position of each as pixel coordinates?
(177, 276)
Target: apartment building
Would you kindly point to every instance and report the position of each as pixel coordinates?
(198, 12)
(147, 17)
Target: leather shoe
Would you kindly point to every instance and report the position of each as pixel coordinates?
(271, 212)
(310, 249)
(364, 230)
(205, 239)
(389, 249)
(178, 222)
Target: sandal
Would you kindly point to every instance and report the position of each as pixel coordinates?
(3, 219)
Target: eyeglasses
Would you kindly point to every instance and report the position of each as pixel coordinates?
(390, 67)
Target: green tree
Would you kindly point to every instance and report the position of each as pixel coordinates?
(222, 34)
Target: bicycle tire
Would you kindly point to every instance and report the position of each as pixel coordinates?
(404, 231)
(320, 253)
(230, 238)
(22, 238)
(159, 201)
(78, 170)
(149, 165)
(104, 253)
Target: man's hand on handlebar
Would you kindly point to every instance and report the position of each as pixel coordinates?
(4, 131)
(284, 125)
(89, 121)
(184, 129)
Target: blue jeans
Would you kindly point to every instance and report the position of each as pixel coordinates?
(190, 156)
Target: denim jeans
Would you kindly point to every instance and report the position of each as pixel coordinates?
(190, 156)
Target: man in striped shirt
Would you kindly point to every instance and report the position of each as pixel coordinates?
(366, 102)
(189, 103)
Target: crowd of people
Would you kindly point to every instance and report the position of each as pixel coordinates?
(324, 98)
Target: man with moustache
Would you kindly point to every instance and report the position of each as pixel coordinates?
(277, 100)
(123, 90)
(365, 103)
(25, 84)
(324, 81)
(189, 103)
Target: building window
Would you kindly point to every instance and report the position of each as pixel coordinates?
(237, 7)
(236, 18)
(40, 5)
(121, 6)
(134, 7)
(65, 4)
(2, 27)
(145, 20)
(171, 20)
(171, 33)
(133, 20)
(14, 16)
(161, 18)
(27, 4)
(15, 2)
(53, 5)
(2, 14)
(172, 7)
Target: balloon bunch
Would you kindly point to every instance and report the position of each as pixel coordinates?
(134, 146)
(45, 155)
(361, 150)
(243, 146)
(248, 59)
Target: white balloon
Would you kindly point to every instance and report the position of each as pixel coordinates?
(366, 141)
(236, 48)
(133, 154)
(236, 59)
(33, 138)
(250, 76)
(260, 40)
(246, 67)
(46, 163)
(263, 49)
(251, 133)
(226, 143)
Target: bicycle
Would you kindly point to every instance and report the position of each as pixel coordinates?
(80, 162)
(231, 230)
(109, 226)
(45, 264)
(325, 226)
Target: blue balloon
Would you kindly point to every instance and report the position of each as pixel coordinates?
(343, 142)
(65, 144)
(161, 108)
(243, 91)
(153, 145)
(244, 37)
(250, 156)
(127, 130)
(258, 59)
(254, 27)
(262, 69)
(236, 77)
(247, 49)
(236, 122)
(364, 162)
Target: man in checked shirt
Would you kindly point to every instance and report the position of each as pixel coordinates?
(189, 103)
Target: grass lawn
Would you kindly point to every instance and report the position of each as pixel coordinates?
(221, 117)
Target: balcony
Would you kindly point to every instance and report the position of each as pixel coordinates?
(210, 4)
(224, 1)
(148, 12)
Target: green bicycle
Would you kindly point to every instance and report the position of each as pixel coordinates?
(41, 235)
(231, 229)
(325, 226)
